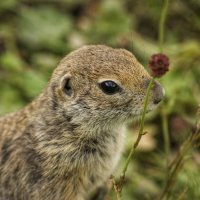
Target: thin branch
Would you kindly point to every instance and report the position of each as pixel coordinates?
(162, 24)
(118, 186)
(178, 162)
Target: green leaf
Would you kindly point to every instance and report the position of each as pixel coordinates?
(111, 22)
(10, 99)
(44, 27)
(11, 62)
(32, 83)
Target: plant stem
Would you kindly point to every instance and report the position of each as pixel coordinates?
(178, 162)
(141, 130)
(117, 192)
(165, 132)
(162, 24)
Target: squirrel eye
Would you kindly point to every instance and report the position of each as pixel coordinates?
(109, 87)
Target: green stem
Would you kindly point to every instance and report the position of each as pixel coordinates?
(162, 24)
(141, 131)
(165, 132)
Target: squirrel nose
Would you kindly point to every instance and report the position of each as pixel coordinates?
(158, 92)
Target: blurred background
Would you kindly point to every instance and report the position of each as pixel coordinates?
(36, 34)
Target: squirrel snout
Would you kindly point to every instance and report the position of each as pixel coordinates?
(158, 93)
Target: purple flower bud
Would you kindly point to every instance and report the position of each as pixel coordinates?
(159, 64)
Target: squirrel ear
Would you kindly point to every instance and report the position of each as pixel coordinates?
(66, 85)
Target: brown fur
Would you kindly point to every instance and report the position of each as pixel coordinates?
(61, 147)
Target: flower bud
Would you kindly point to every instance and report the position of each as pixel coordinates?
(159, 64)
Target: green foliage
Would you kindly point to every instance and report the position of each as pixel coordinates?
(111, 22)
(44, 28)
(36, 34)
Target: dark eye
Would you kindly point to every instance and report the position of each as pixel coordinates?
(109, 87)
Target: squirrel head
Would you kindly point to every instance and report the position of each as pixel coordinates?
(100, 86)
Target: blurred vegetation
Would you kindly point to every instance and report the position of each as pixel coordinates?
(36, 34)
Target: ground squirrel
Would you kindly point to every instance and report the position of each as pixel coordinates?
(68, 140)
